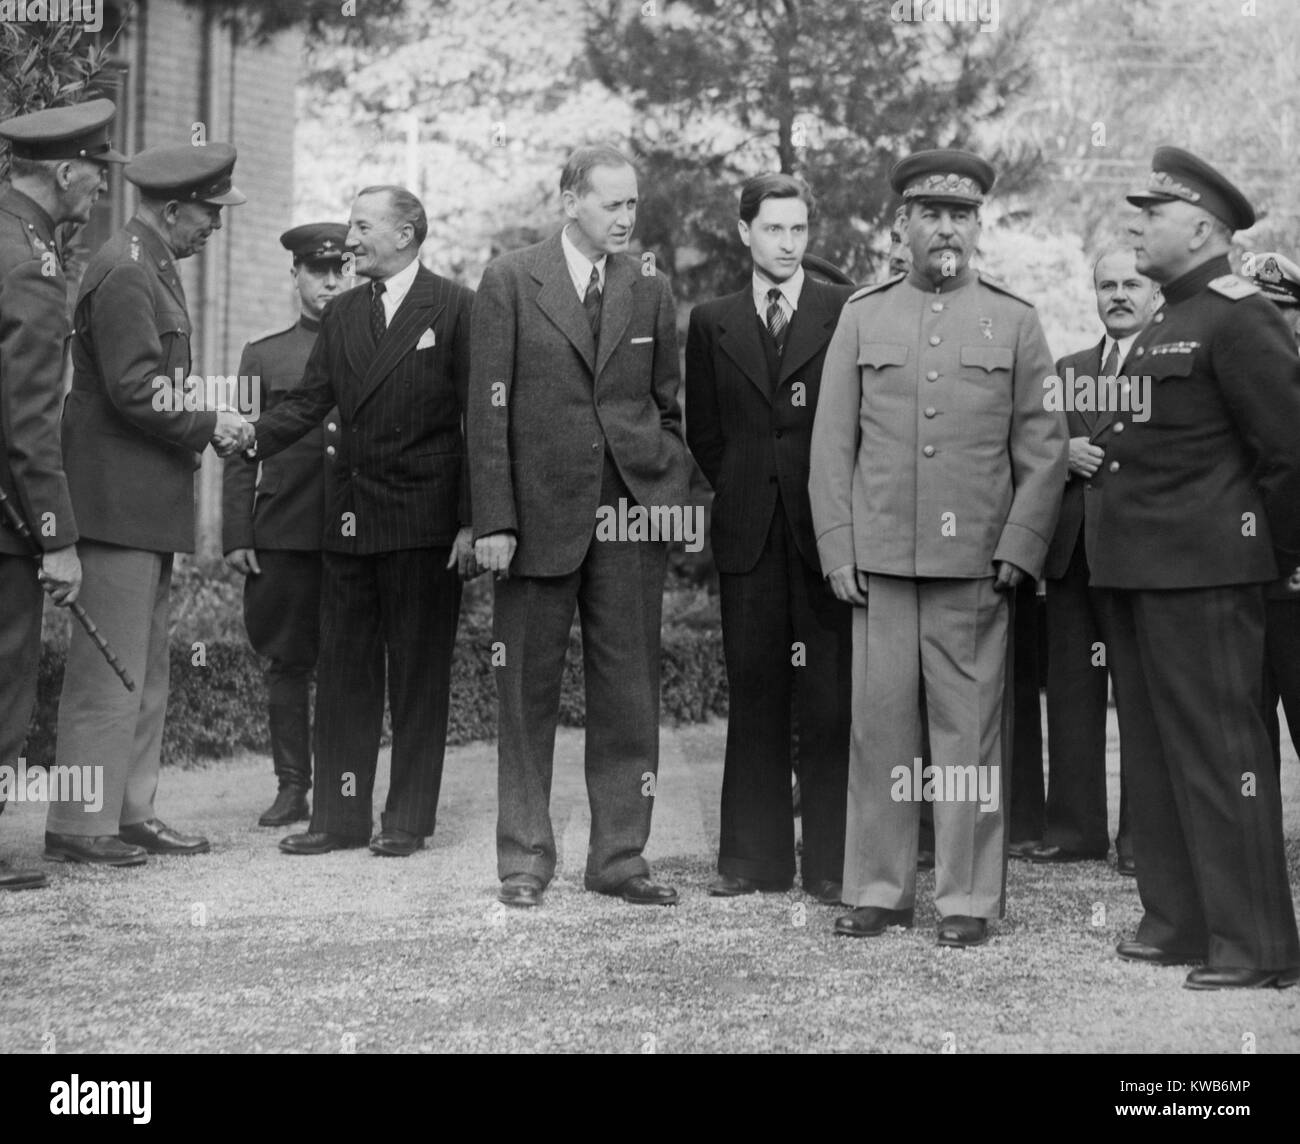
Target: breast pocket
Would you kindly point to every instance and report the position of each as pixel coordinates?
(985, 387)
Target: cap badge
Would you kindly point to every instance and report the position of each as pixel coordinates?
(1166, 184)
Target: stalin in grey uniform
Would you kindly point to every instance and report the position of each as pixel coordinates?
(272, 518)
(57, 170)
(132, 438)
(936, 478)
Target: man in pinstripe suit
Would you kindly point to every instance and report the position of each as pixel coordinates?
(393, 355)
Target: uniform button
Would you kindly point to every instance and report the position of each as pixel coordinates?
(1160, 317)
(332, 427)
(930, 412)
(1114, 466)
(935, 339)
(1118, 427)
(356, 472)
(933, 375)
(595, 446)
(928, 450)
(356, 428)
(1139, 351)
(936, 306)
(330, 450)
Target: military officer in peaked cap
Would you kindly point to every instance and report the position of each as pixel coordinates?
(132, 441)
(1194, 500)
(58, 167)
(273, 516)
(936, 478)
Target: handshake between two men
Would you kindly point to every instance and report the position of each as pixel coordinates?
(233, 434)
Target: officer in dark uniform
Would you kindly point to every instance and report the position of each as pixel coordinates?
(1192, 501)
(272, 518)
(1278, 279)
(133, 432)
(58, 169)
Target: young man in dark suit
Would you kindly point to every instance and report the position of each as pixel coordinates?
(573, 411)
(272, 516)
(753, 374)
(393, 355)
(1078, 675)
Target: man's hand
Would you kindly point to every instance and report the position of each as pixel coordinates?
(462, 556)
(244, 560)
(1009, 576)
(494, 553)
(1085, 457)
(60, 575)
(849, 585)
(232, 435)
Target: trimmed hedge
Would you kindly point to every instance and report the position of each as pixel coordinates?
(217, 703)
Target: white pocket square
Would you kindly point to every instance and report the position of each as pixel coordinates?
(426, 340)
(641, 341)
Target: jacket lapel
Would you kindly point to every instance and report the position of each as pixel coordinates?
(1096, 420)
(739, 340)
(558, 300)
(615, 306)
(354, 322)
(418, 311)
(808, 328)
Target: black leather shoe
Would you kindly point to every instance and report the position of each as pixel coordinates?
(521, 890)
(1042, 854)
(157, 837)
(828, 892)
(11, 879)
(640, 891)
(1025, 848)
(925, 859)
(94, 849)
(734, 886)
(290, 806)
(960, 932)
(871, 921)
(1151, 954)
(1234, 977)
(318, 842)
(1127, 866)
(396, 843)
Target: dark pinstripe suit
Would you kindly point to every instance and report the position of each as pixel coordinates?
(395, 501)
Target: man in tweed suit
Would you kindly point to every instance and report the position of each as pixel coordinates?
(393, 355)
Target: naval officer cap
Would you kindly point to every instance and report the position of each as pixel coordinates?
(1277, 277)
(76, 132)
(1179, 176)
(188, 174)
(944, 176)
(316, 242)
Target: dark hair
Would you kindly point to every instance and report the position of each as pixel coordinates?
(405, 207)
(576, 175)
(773, 186)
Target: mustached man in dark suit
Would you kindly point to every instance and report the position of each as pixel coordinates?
(753, 374)
(393, 355)
(1077, 671)
(573, 411)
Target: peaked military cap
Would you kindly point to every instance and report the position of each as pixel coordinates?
(316, 241)
(946, 175)
(1277, 277)
(1179, 176)
(183, 172)
(76, 132)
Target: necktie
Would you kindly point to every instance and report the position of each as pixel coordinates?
(777, 324)
(1111, 366)
(378, 322)
(591, 301)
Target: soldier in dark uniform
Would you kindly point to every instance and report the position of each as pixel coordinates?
(1278, 279)
(132, 436)
(272, 519)
(58, 169)
(1194, 498)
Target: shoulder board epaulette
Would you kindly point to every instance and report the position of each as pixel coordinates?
(865, 290)
(1230, 286)
(1003, 288)
(270, 334)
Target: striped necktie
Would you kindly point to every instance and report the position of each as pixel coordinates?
(777, 323)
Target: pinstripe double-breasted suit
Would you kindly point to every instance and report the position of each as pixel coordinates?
(395, 499)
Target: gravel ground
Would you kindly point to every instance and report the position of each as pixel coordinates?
(249, 950)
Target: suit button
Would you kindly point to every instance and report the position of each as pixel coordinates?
(1139, 351)
(356, 472)
(1118, 427)
(935, 339)
(1114, 466)
(1160, 317)
(930, 411)
(936, 306)
(595, 446)
(1088, 487)
(777, 434)
(332, 427)
(330, 450)
(933, 375)
(928, 450)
